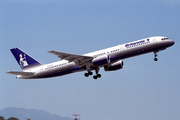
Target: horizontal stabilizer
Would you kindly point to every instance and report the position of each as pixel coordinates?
(20, 73)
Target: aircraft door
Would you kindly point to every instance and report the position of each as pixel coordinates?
(154, 41)
(41, 70)
(121, 49)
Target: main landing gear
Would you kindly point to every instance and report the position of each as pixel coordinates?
(155, 55)
(97, 76)
(90, 73)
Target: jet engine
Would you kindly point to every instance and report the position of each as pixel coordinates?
(99, 61)
(115, 66)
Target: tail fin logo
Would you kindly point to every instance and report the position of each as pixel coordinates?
(22, 60)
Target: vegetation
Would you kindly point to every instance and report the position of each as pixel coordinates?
(2, 118)
(11, 118)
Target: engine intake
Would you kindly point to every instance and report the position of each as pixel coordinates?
(115, 66)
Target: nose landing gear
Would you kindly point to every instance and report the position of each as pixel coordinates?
(155, 59)
(155, 55)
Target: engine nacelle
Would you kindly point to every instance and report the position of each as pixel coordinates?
(99, 61)
(115, 66)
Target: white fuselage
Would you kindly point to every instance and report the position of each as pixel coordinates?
(116, 53)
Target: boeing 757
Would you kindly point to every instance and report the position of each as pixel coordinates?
(110, 59)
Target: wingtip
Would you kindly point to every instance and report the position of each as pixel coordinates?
(50, 51)
(8, 72)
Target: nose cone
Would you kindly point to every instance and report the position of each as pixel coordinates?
(168, 43)
(171, 42)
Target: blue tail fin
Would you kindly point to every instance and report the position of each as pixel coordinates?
(23, 59)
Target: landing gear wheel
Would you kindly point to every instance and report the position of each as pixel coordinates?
(86, 74)
(95, 77)
(155, 59)
(155, 55)
(90, 73)
(98, 75)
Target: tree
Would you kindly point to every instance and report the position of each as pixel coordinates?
(2, 118)
(12, 118)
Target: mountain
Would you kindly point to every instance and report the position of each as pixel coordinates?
(33, 114)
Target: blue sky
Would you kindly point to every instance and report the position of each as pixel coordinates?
(143, 89)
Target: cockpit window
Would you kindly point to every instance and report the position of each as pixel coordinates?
(164, 38)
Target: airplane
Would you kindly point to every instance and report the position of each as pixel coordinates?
(111, 59)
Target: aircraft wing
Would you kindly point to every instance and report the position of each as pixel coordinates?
(78, 59)
(20, 73)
